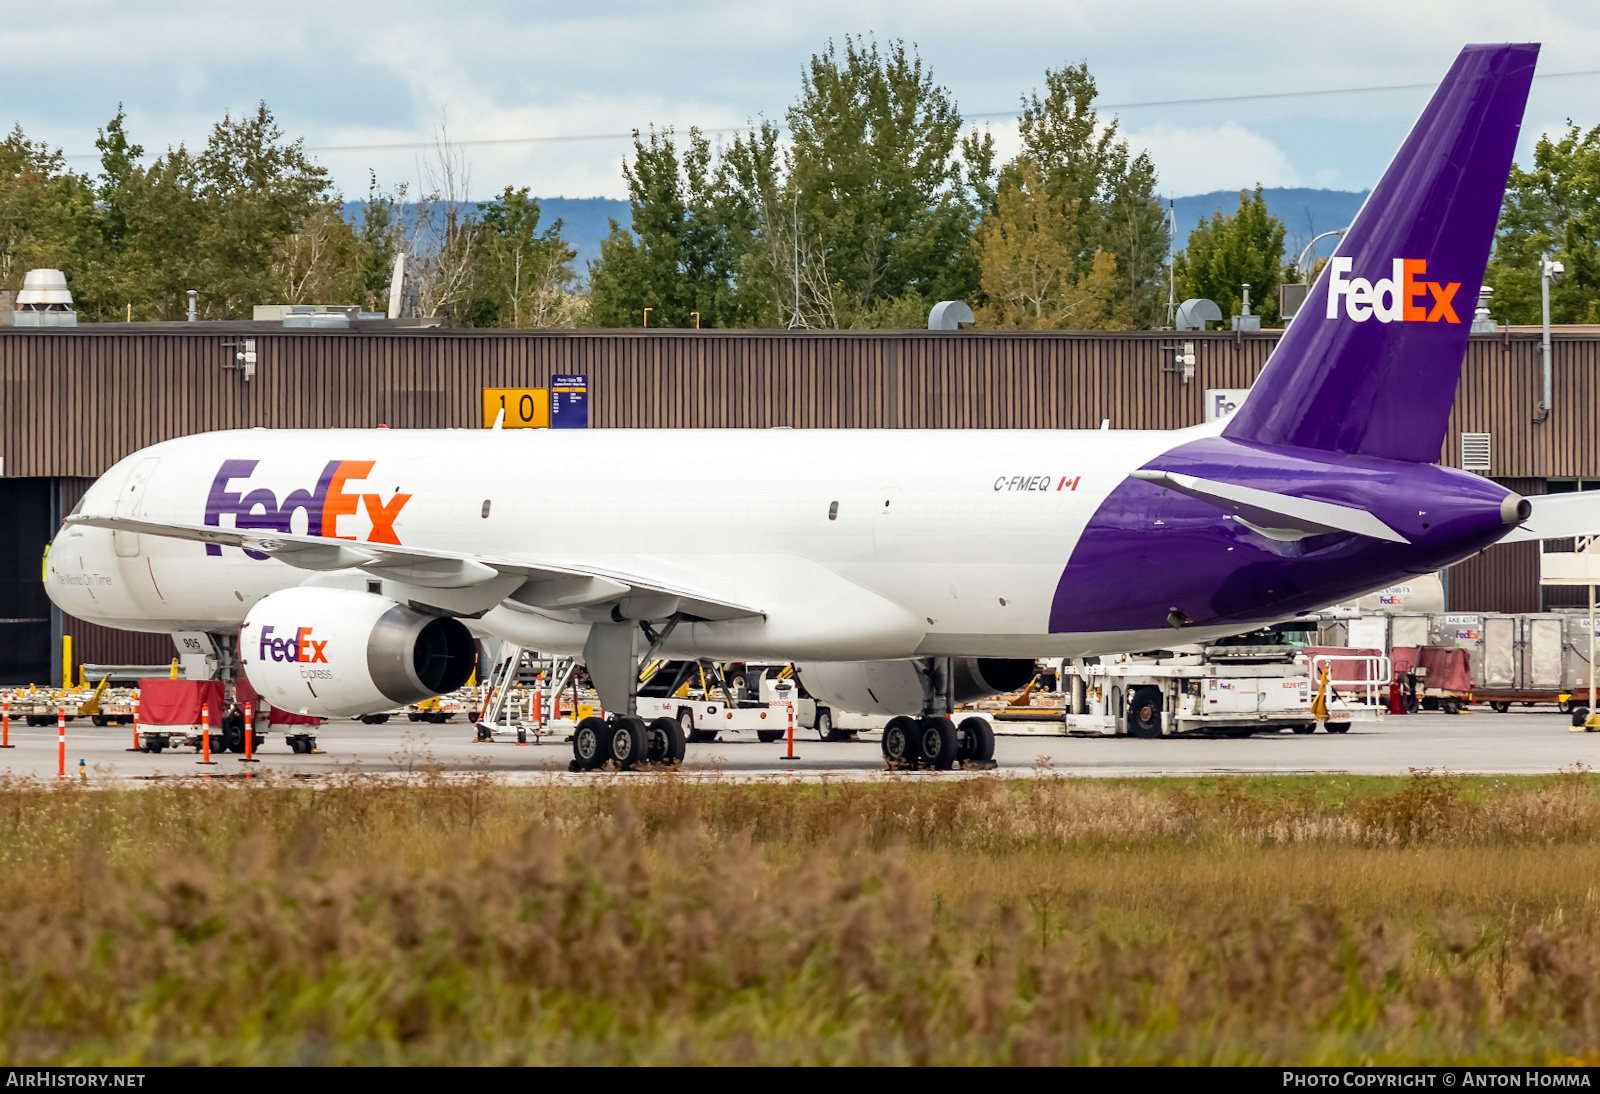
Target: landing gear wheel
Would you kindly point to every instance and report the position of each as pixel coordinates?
(589, 744)
(233, 732)
(1304, 727)
(666, 741)
(1501, 708)
(98, 719)
(436, 717)
(974, 741)
(628, 744)
(1144, 712)
(899, 742)
(767, 736)
(936, 743)
(374, 719)
(1337, 727)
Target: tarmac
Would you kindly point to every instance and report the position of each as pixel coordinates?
(1533, 741)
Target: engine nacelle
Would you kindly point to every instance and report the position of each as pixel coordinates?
(337, 653)
(980, 677)
(899, 687)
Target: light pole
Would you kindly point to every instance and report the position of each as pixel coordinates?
(795, 322)
(1549, 271)
(1299, 263)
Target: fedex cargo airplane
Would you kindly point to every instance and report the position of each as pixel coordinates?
(348, 570)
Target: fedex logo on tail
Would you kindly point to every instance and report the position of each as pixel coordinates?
(1402, 297)
(324, 504)
(301, 648)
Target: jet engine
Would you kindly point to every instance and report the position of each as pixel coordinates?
(898, 687)
(338, 652)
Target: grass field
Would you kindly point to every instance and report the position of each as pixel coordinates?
(681, 919)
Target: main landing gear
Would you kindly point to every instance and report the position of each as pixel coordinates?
(624, 740)
(935, 740)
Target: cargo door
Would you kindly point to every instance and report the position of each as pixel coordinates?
(1500, 651)
(1542, 658)
(129, 503)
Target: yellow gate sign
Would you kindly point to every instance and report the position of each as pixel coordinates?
(525, 407)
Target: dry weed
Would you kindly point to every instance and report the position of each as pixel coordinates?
(679, 919)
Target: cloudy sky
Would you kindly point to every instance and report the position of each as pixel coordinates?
(364, 75)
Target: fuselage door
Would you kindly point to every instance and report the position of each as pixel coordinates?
(129, 502)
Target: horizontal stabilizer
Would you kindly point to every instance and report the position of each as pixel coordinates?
(1276, 516)
(1560, 516)
(439, 569)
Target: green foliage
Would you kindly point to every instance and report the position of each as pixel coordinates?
(883, 191)
(1227, 251)
(525, 273)
(1110, 193)
(864, 220)
(1028, 249)
(682, 261)
(1554, 209)
(251, 219)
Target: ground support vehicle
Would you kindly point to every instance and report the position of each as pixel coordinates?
(1229, 690)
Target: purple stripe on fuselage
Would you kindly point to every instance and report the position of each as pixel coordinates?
(1148, 551)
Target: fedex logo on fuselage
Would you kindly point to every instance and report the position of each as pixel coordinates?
(323, 505)
(301, 648)
(1392, 299)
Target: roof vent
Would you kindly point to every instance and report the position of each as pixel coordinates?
(949, 315)
(1474, 451)
(1194, 314)
(45, 301)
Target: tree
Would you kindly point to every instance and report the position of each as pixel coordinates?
(1554, 208)
(1226, 251)
(255, 188)
(678, 259)
(1027, 251)
(887, 186)
(525, 272)
(1085, 161)
(47, 213)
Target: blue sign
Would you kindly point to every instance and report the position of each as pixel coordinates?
(569, 402)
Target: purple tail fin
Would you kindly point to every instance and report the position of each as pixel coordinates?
(1371, 362)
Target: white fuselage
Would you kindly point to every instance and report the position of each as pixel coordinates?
(959, 538)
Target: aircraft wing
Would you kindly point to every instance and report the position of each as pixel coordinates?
(547, 584)
(1276, 516)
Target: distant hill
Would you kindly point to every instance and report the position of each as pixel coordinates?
(1305, 212)
(584, 222)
